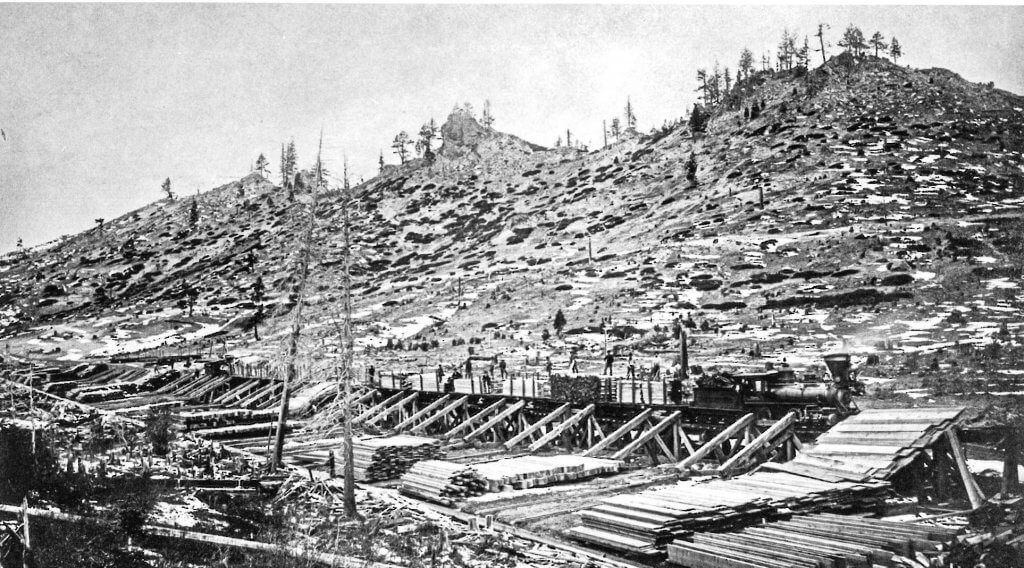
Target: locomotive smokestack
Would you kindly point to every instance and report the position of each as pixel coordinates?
(839, 366)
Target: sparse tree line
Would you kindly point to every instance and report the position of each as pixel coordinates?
(719, 87)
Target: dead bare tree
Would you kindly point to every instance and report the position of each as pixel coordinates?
(349, 497)
(305, 257)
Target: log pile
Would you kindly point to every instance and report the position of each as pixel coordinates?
(824, 540)
(537, 471)
(377, 459)
(642, 523)
(442, 482)
(578, 388)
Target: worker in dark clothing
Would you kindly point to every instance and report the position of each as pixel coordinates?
(439, 376)
(608, 359)
(469, 368)
(371, 376)
(487, 383)
(573, 363)
(630, 367)
(502, 369)
(449, 385)
(547, 367)
(675, 390)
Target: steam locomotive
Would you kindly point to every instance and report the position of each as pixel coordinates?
(775, 392)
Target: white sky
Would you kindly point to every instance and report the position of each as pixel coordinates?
(101, 102)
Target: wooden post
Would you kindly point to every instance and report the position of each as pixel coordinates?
(1011, 475)
(421, 381)
(974, 494)
(940, 473)
(27, 549)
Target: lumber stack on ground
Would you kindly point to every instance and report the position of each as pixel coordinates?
(642, 523)
(442, 482)
(525, 472)
(377, 459)
(815, 541)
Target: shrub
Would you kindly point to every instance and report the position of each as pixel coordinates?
(160, 430)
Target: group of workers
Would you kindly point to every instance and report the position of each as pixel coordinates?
(489, 373)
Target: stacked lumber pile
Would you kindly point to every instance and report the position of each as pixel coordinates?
(377, 459)
(816, 541)
(642, 523)
(537, 471)
(442, 482)
(875, 444)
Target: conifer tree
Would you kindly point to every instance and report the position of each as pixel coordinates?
(399, 144)
(895, 49)
(821, 40)
(853, 40)
(559, 323)
(630, 116)
(702, 77)
(166, 188)
(878, 43)
(487, 119)
(193, 214)
(380, 161)
(746, 65)
(428, 132)
(616, 129)
(261, 165)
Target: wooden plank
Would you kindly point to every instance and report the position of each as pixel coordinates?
(715, 442)
(526, 433)
(495, 421)
(444, 412)
(646, 436)
(423, 412)
(558, 430)
(619, 433)
(761, 441)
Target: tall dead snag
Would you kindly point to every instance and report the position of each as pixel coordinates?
(349, 496)
(300, 289)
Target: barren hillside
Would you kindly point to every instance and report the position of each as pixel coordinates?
(867, 206)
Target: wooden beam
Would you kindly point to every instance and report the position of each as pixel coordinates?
(444, 412)
(561, 428)
(618, 433)
(468, 423)
(715, 442)
(973, 491)
(423, 412)
(761, 441)
(389, 410)
(647, 436)
(495, 420)
(529, 431)
(377, 408)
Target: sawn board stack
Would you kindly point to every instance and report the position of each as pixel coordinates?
(442, 481)
(815, 541)
(377, 459)
(641, 523)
